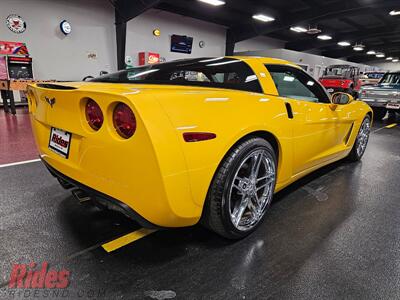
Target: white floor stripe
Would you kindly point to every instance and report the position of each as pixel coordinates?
(19, 163)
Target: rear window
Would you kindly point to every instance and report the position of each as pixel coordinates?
(219, 72)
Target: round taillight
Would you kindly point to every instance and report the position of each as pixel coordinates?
(124, 120)
(94, 115)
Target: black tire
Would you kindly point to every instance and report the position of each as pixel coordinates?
(216, 213)
(379, 113)
(354, 154)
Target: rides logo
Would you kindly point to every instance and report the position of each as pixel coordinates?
(28, 276)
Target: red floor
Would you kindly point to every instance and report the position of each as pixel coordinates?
(16, 140)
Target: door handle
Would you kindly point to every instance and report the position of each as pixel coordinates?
(289, 110)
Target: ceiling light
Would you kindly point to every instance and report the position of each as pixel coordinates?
(213, 2)
(344, 44)
(371, 52)
(324, 37)
(358, 47)
(298, 29)
(395, 60)
(380, 55)
(263, 18)
(394, 13)
(389, 58)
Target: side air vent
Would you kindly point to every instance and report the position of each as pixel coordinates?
(55, 86)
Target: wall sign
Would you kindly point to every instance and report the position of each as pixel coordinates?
(13, 48)
(15, 23)
(65, 27)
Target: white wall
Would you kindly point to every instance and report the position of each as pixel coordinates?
(60, 57)
(140, 35)
(259, 43)
(386, 66)
(308, 59)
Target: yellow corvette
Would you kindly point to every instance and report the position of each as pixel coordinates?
(208, 139)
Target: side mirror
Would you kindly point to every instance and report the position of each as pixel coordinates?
(341, 98)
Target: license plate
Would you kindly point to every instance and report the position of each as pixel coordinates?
(393, 105)
(330, 90)
(60, 142)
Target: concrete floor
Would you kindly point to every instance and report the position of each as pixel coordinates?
(333, 235)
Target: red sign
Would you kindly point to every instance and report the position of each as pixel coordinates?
(13, 48)
(153, 58)
(148, 58)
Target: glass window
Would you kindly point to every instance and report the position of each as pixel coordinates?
(390, 79)
(294, 83)
(218, 72)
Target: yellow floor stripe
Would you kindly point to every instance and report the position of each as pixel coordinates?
(391, 125)
(127, 239)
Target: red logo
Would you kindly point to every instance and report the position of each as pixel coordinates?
(28, 276)
(59, 140)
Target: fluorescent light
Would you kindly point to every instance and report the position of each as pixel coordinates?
(298, 29)
(394, 13)
(324, 37)
(263, 18)
(358, 47)
(380, 55)
(213, 2)
(395, 60)
(371, 52)
(344, 44)
(389, 58)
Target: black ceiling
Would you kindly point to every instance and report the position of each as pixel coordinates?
(357, 21)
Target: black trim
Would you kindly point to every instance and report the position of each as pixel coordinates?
(103, 198)
(55, 86)
(289, 110)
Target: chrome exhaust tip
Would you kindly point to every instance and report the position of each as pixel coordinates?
(81, 195)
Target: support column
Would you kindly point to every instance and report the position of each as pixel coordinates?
(120, 27)
(229, 43)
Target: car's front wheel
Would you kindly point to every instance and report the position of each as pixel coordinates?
(242, 189)
(361, 140)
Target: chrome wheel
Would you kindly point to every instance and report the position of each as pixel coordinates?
(251, 189)
(363, 136)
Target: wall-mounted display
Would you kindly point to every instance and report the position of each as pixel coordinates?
(15, 23)
(181, 44)
(65, 27)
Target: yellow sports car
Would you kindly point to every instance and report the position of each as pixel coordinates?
(207, 139)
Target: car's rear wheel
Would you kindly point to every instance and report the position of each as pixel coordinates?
(361, 140)
(241, 190)
(379, 113)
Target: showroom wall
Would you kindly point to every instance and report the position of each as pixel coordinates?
(56, 56)
(386, 66)
(259, 43)
(314, 64)
(140, 35)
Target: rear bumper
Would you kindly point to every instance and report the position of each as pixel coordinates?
(378, 102)
(104, 199)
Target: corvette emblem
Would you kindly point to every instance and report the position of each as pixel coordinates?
(51, 101)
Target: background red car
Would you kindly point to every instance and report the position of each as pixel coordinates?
(341, 78)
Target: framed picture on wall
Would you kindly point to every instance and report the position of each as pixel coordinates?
(181, 44)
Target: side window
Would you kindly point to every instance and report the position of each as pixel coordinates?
(294, 83)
